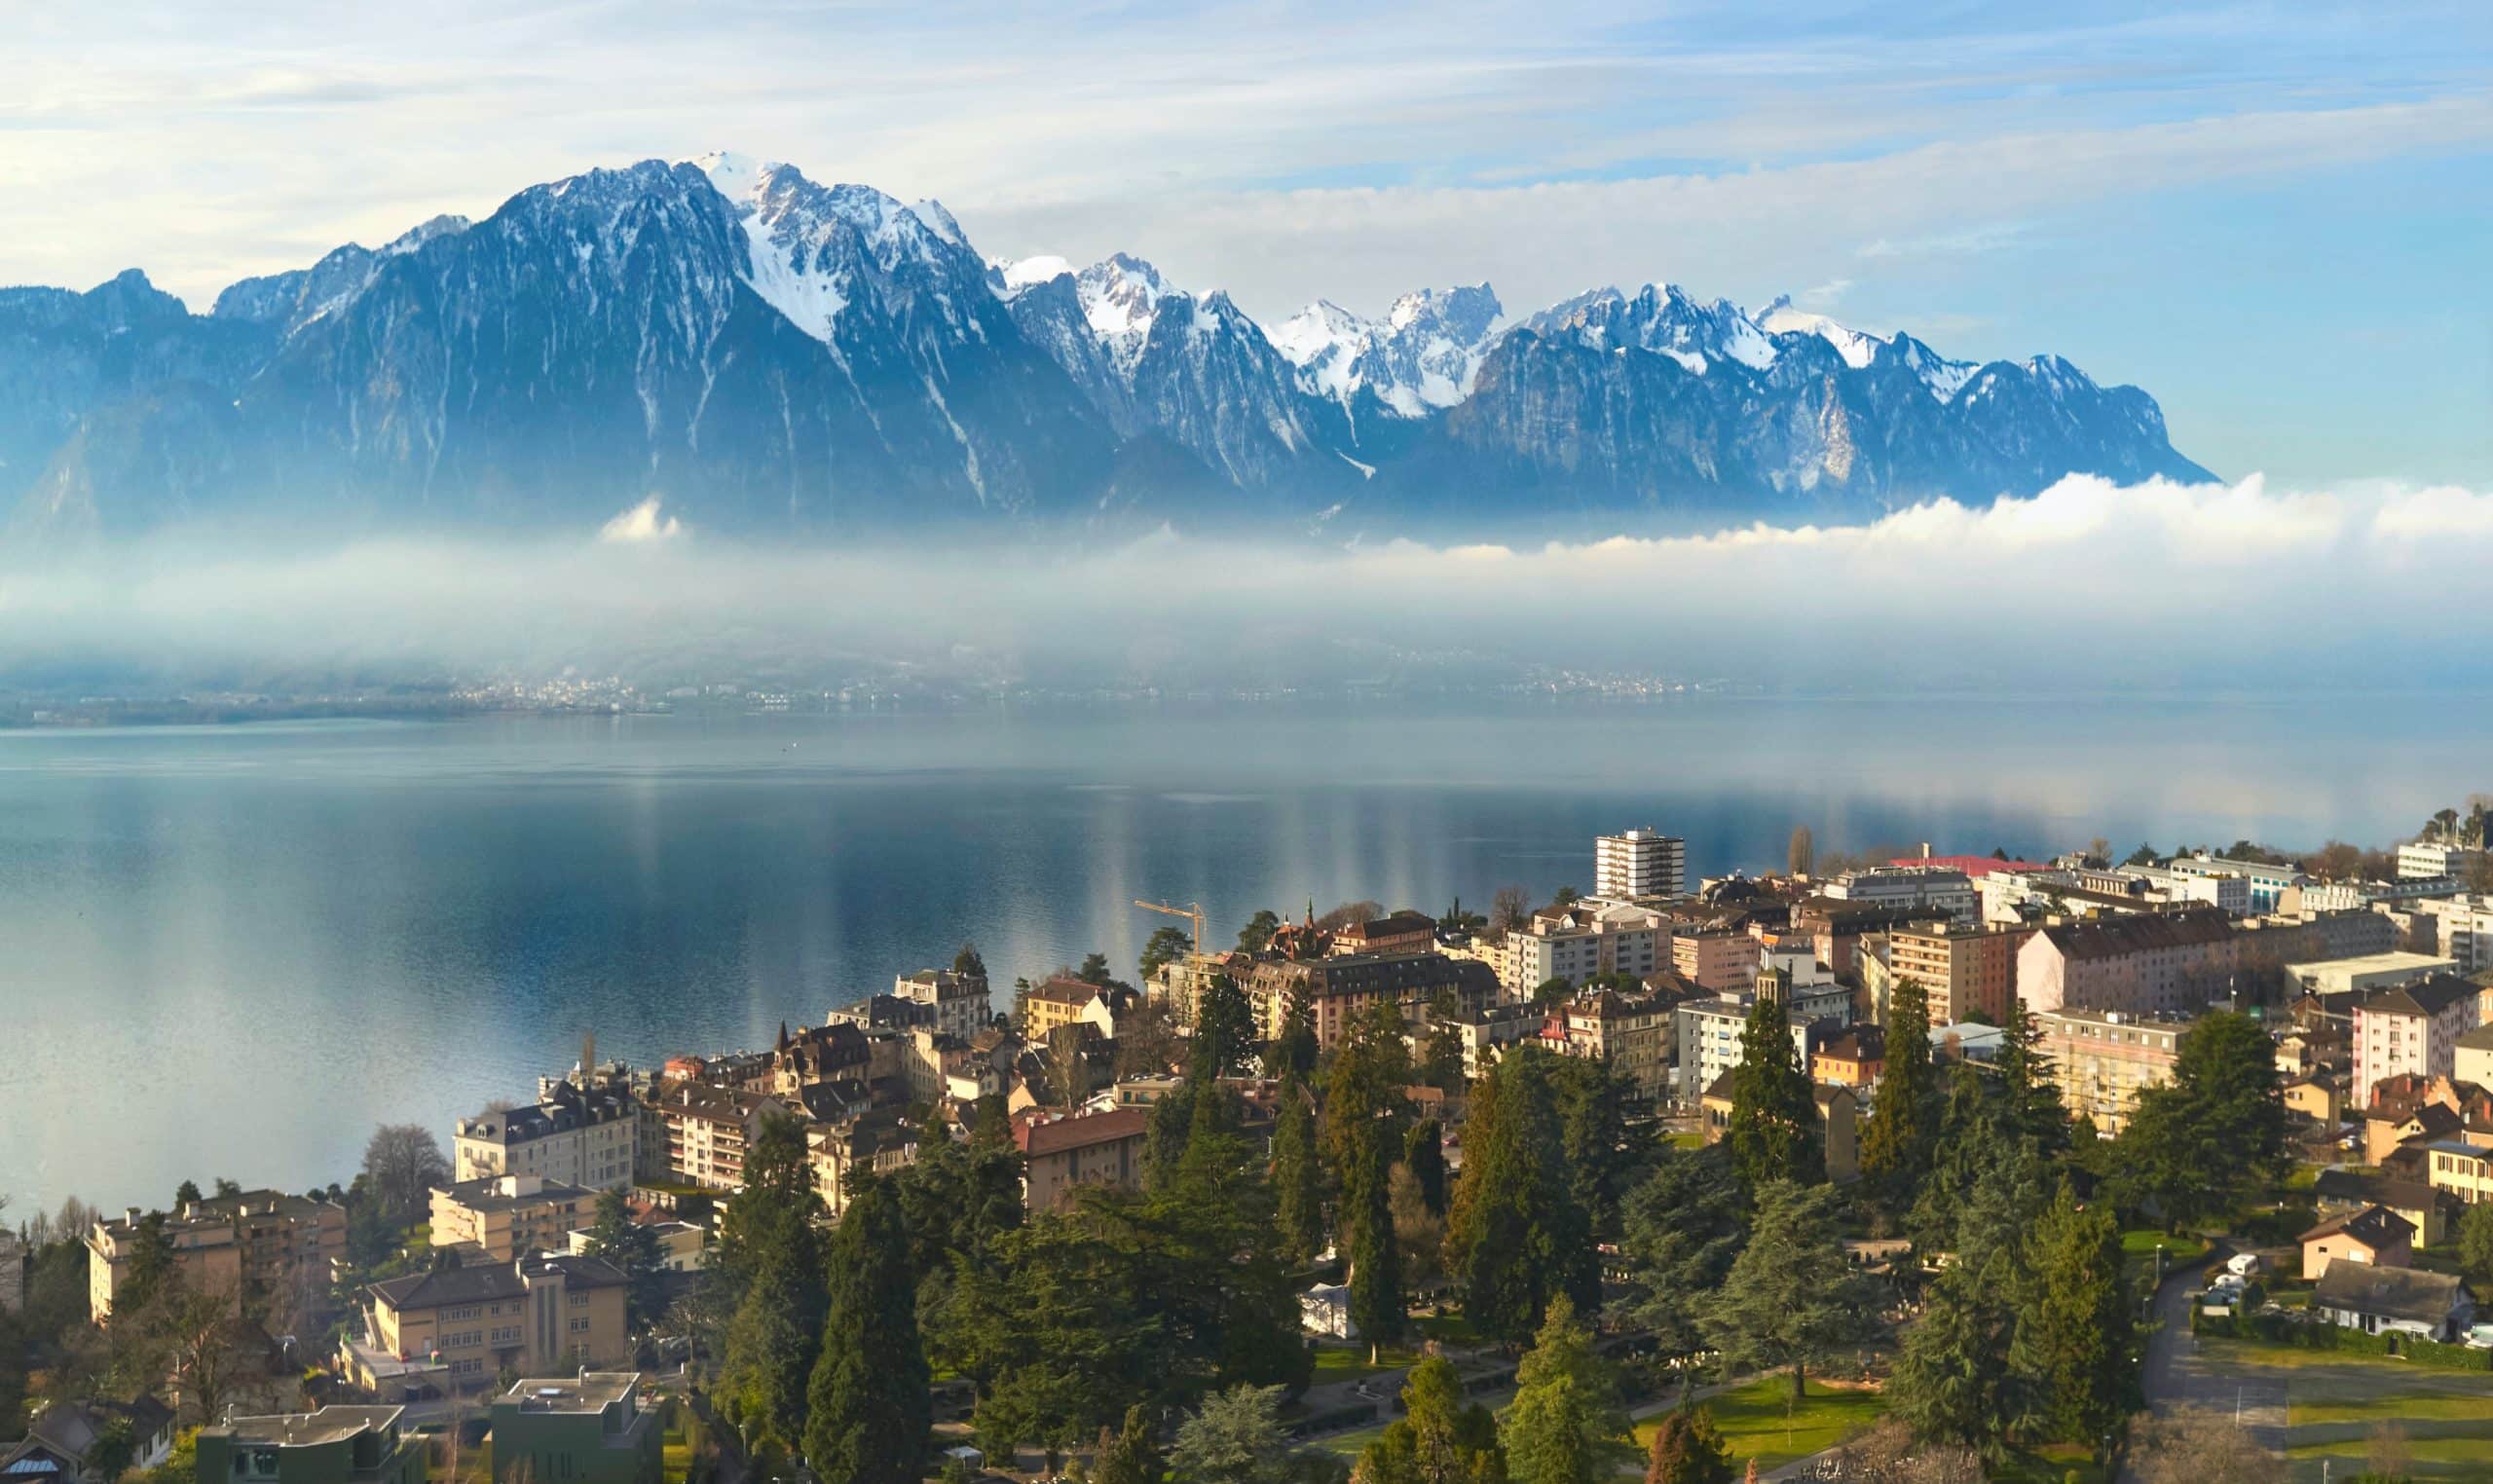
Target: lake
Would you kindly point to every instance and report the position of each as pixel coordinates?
(230, 951)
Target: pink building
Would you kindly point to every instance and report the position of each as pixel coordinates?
(2413, 1029)
(2137, 963)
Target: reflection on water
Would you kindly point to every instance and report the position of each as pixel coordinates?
(229, 952)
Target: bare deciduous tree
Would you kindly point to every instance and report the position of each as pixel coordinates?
(401, 1164)
(2198, 1447)
(1802, 853)
(1510, 909)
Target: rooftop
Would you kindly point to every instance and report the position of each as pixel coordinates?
(1083, 1131)
(2399, 1293)
(2374, 963)
(587, 1391)
(2428, 998)
(468, 1284)
(501, 1193)
(297, 1430)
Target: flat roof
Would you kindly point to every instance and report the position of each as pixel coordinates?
(295, 1429)
(587, 1391)
(2374, 963)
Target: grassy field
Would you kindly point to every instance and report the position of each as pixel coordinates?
(677, 1459)
(1336, 1362)
(2328, 1389)
(1448, 1329)
(1751, 1418)
(2142, 1243)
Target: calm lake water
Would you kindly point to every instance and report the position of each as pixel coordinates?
(229, 952)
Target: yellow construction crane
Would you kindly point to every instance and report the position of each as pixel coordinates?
(1192, 911)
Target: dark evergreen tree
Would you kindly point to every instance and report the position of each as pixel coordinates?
(1293, 1053)
(1258, 934)
(868, 1413)
(1516, 1236)
(2030, 1087)
(633, 1248)
(1224, 1035)
(2076, 1338)
(2214, 1136)
(1363, 1110)
(1775, 1132)
(1423, 1150)
(1688, 1450)
(771, 1252)
(1678, 1231)
(1896, 1143)
(1298, 1175)
(1789, 1298)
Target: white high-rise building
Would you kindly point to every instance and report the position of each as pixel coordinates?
(1641, 863)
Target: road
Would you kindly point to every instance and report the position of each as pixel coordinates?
(2176, 1375)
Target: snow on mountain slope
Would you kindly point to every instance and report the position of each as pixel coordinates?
(1944, 377)
(1425, 355)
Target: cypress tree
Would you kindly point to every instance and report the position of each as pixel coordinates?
(1293, 1051)
(1775, 1132)
(1298, 1180)
(1362, 1114)
(1896, 1144)
(1423, 1150)
(2076, 1338)
(1516, 1236)
(775, 1334)
(868, 1413)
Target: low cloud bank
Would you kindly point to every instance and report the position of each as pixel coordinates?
(2088, 585)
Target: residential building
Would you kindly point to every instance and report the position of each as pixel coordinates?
(1183, 982)
(2267, 880)
(539, 1313)
(2423, 860)
(2433, 1306)
(582, 1135)
(1399, 932)
(335, 1445)
(1057, 1001)
(2472, 1057)
(1340, 989)
(290, 1245)
(834, 1051)
(2228, 894)
(1487, 1032)
(2433, 1214)
(2320, 1098)
(1639, 863)
(2458, 925)
(700, 1132)
(1708, 1031)
(510, 1214)
(1850, 1059)
(2165, 963)
(2102, 1059)
(1582, 939)
(882, 1141)
(1061, 1155)
(2375, 1235)
(1939, 889)
(958, 999)
(207, 1250)
(2464, 1169)
(588, 1426)
(683, 1247)
(2368, 972)
(1632, 1032)
(1964, 969)
(1718, 957)
(2413, 1030)
(61, 1441)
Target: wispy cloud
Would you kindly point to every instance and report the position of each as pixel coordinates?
(1972, 240)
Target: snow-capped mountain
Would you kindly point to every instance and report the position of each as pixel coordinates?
(1422, 357)
(772, 354)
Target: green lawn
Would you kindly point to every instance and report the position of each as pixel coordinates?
(2142, 1243)
(2436, 1458)
(1336, 1362)
(676, 1460)
(1751, 1418)
(1349, 1445)
(2052, 1464)
(1448, 1329)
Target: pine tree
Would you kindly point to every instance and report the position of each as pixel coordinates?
(1423, 1150)
(2032, 1094)
(1516, 1236)
(1224, 1035)
(1438, 1439)
(1678, 1232)
(1132, 1455)
(1776, 1131)
(1896, 1144)
(1298, 1178)
(1970, 1138)
(867, 1413)
(1946, 1385)
(633, 1248)
(1565, 1424)
(1442, 1069)
(1790, 1297)
(1363, 1110)
(1293, 1053)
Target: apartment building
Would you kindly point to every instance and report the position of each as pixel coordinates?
(1941, 889)
(207, 1253)
(2146, 964)
(1485, 1033)
(508, 1215)
(2102, 1059)
(1058, 1001)
(538, 1314)
(1639, 863)
(1962, 969)
(2426, 861)
(1718, 957)
(836, 1051)
(1182, 982)
(288, 1242)
(2413, 1029)
(1632, 1032)
(1402, 932)
(1061, 1155)
(959, 1000)
(1340, 989)
(582, 1135)
(2464, 1169)
(2267, 881)
(1854, 1057)
(882, 1141)
(2228, 894)
(697, 1133)
(2368, 973)
(1583, 939)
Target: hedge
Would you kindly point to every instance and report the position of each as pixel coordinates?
(2279, 1329)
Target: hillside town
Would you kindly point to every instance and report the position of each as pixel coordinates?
(1920, 1167)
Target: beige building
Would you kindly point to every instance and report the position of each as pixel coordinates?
(1341, 989)
(1962, 969)
(1058, 1002)
(582, 1135)
(206, 1253)
(1061, 1155)
(1632, 1032)
(700, 1132)
(508, 1215)
(2104, 1059)
(881, 1141)
(2462, 1169)
(537, 1315)
(2164, 963)
(2471, 1058)
(2413, 1030)
(959, 1000)
(1583, 939)
(1719, 958)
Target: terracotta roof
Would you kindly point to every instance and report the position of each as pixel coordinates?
(1082, 1131)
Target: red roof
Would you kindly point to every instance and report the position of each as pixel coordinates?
(1082, 1131)
(1975, 865)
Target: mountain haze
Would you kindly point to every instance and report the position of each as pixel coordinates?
(775, 356)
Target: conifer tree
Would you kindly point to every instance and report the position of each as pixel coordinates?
(2076, 1338)
(1775, 1132)
(867, 1413)
(1896, 1143)
(1565, 1424)
(1224, 1035)
(1423, 1150)
(1363, 1111)
(771, 1241)
(1132, 1455)
(1298, 1178)
(1294, 1051)
(1438, 1439)
(1688, 1450)
(1516, 1236)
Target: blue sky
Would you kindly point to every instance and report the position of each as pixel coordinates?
(2275, 218)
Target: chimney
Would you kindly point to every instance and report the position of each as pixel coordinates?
(129, 1213)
